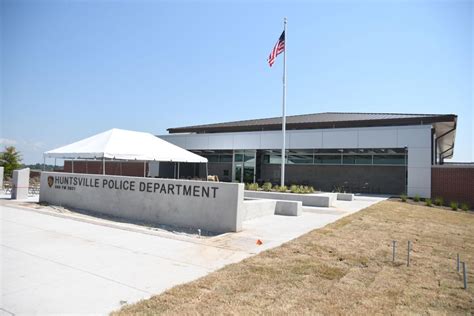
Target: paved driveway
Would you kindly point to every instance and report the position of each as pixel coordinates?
(56, 263)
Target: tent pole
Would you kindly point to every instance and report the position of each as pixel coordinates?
(178, 171)
(103, 165)
(207, 172)
(72, 165)
(144, 169)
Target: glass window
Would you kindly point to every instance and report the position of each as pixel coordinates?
(225, 158)
(357, 159)
(272, 159)
(327, 159)
(275, 159)
(389, 159)
(299, 152)
(300, 159)
(355, 156)
(212, 158)
(248, 157)
(239, 157)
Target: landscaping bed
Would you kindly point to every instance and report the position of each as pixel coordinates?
(437, 202)
(268, 187)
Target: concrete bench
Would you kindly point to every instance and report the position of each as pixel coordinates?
(257, 208)
(345, 196)
(315, 199)
(289, 208)
(253, 208)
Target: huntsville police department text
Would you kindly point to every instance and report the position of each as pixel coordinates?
(70, 183)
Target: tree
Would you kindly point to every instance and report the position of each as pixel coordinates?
(10, 160)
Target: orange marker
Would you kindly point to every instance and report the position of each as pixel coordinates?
(259, 242)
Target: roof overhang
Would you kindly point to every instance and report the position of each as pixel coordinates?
(445, 135)
(275, 124)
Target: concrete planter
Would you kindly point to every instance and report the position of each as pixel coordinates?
(345, 196)
(316, 199)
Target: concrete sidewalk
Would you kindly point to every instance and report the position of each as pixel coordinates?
(66, 264)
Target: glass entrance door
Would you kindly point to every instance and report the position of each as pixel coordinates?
(238, 172)
(244, 166)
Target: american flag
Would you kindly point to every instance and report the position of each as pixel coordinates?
(278, 49)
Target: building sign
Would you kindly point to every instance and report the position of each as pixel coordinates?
(212, 206)
(72, 182)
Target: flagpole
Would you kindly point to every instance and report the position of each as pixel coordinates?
(283, 122)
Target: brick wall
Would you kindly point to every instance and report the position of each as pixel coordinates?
(351, 178)
(135, 169)
(453, 183)
(126, 168)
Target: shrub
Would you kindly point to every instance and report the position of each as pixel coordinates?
(337, 189)
(251, 186)
(439, 201)
(454, 205)
(416, 198)
(308, 189)
(294, 189)
(465, 207)
(403, 197)
(301, 189)
(428, 202)
(282, 189)
(267, 186)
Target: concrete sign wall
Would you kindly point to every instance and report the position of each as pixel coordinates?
(20, 184)
(209, 206)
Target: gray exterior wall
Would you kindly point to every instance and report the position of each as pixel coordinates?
(219, 168)
(358, 179)
(416, 138)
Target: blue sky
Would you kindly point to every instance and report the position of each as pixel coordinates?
(71, 69)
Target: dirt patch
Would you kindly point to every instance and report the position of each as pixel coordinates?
(344, 268)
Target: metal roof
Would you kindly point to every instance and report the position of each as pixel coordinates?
(319, 120)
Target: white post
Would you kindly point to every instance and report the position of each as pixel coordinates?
(44, 162)
(283, 123)
(103, 165)
(72, 165)
(144, 169)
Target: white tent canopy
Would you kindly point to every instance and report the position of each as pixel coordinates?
(125, 145)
